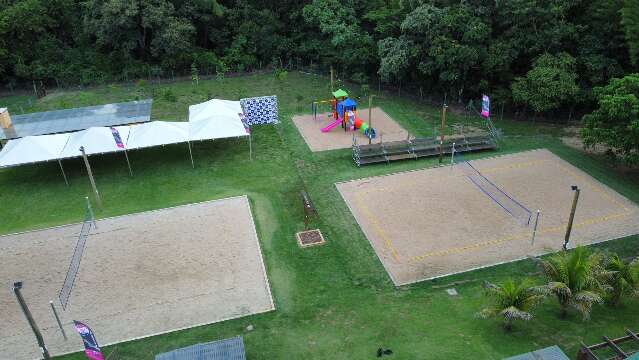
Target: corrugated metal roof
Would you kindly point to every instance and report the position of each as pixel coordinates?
(227, 349)
(549, 353)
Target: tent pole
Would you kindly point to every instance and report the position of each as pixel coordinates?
(63, 174)
(250, 149)
(126, 155)
(191, 154)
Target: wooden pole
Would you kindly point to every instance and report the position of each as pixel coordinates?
(441, 135)
(63, 174)
(575, 199)
(57, 319)
(191, 154)
(370, 115)
(88, 166)
(17, 286)
(126, 155)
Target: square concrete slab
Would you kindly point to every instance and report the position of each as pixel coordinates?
(340, 139)
(436, 222)
(140, 275)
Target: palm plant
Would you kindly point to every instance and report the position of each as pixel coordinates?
(624, 279)
(511, 301)
(576, 278)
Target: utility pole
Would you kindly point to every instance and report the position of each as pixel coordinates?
(441, 136)
(370, 115)
(88, 166)
(575, 199)
(17, 286)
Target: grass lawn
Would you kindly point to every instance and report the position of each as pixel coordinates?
(333, 301)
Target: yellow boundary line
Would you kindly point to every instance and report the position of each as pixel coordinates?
(595, 220)
(376, 225)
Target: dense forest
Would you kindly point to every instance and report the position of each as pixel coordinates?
(545, 56)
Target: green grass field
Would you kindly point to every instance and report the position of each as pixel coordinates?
(333, 301)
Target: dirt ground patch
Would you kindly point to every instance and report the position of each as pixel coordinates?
(435, 222)
(340, 139)
(141, 274)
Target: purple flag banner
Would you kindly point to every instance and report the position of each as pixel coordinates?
(117, 138)
(91, 347)
(485, 106)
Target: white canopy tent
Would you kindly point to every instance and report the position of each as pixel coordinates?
(97, 140)
(33, 149)
(217, 119)
(158, 133)
(213, 119)
(214, 107)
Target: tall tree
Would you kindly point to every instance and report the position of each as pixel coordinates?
(144, 29)
(630, 21)
(451, 44)
(615, 121)
(551, 83)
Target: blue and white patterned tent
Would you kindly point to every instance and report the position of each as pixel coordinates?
(260, 110)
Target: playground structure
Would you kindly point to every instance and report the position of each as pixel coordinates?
(344, 113)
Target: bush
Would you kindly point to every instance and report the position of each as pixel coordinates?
(169, 96)
(281, 74)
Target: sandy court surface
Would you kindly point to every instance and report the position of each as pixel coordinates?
(337, 138)
(140, 275)
(435, 222)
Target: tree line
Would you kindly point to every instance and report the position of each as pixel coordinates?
(542, 56)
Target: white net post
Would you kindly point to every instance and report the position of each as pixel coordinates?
(534, 232)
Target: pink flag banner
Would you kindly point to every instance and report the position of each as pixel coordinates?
(91, 347)
(485, 106)
(117, 138)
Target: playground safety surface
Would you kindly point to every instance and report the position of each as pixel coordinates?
(435, 222)
(141, 274)
(338, 138)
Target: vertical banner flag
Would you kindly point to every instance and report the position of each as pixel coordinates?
(91, 347)
(117, 138)
(485, 106)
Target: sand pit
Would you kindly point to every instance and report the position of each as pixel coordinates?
(435, 222)
(338, 138)
(140, 275)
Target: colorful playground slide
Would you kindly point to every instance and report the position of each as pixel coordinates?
(332, 125)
